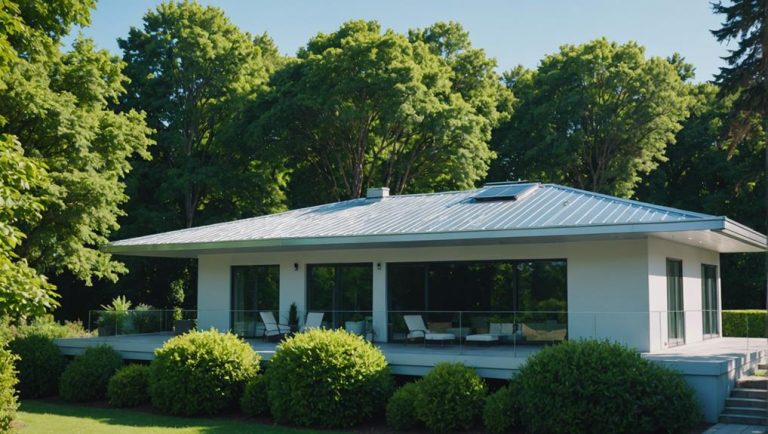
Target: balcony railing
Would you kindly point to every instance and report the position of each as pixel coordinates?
(509, 327)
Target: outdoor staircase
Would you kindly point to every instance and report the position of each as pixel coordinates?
(748, 403)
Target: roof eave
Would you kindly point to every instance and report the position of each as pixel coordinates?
(194, 249)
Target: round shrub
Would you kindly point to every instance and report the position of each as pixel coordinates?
(450, 397)
(128, 387)
(254, 400)
(201, 372)
(86, 378)
(40, 365)
(401, 415)
(327, 378)
(502, 408)
(8, 403)
(598, 386)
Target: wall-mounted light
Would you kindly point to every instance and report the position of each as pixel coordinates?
(295, 266)
(378, 265)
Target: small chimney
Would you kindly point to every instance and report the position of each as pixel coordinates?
(377, 193)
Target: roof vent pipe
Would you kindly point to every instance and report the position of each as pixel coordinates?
(377, 193)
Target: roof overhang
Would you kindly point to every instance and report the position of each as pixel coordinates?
(718, 234)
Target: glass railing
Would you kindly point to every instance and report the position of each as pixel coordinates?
(656, 330)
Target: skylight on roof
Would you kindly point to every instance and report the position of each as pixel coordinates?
(506, 192)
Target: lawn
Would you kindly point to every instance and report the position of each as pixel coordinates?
(47, 417)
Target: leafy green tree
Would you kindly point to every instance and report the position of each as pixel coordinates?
(595, 116)
(701, 174)
(361, 107)
(191, 70)
(65, 151)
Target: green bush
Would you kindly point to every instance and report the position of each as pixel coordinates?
(327, 378)
(129, 386)
(146, 319)
(8, 403)
(42, 326)
(86, 378)
(201, 372)
(254, 400)
(744, 323)
(502, 408)
(401, 414)
(39, 365)
(597, 386)
(450, 397)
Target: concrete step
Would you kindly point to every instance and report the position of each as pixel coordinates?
(747, 402)
(747, 411)
(753, 383)
(743, 420)
(743, 392)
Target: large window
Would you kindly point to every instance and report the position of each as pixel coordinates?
(709, 299)
(343, 292)
(675, 308)
(526, 298)
(254, 288)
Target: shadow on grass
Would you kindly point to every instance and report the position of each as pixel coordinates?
(111, 419)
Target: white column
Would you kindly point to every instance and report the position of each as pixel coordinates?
(380, 301)
(293, 289)
(213, 293)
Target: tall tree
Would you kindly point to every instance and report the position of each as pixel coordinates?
(595, 116)
(701, 174)
(191, 69)
(361, 107)
(65, 151)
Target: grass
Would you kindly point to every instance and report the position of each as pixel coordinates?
(38, 417)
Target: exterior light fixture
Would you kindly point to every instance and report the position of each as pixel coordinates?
(296, 266)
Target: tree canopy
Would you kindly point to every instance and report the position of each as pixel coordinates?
(596, 116)
(363, 107)
(65, 152)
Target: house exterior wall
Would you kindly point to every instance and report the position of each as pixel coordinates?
(659, 251)
(607, 281)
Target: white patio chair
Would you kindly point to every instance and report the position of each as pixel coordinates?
(417, 329)
(271, 327)
(314, 321)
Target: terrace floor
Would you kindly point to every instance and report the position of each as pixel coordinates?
(710, 357)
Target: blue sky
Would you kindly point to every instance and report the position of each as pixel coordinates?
(513, 31)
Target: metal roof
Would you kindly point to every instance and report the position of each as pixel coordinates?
(551, 210)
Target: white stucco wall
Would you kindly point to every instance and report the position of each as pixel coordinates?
(607, 281)
(658, 252)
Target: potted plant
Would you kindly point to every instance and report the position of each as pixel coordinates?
(114, 317)
(355, 324)
(180, 325)
(293, 317)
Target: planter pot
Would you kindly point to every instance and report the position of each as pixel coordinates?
(356, 327)
(107, 330)
(181, 326)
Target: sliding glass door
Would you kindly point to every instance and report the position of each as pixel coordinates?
(254, 288)
(344, 292)
(709, 300)
(675, 309)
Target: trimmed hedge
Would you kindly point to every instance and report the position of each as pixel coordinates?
(129, 386)
(401, 412)
(597, 386)
(86, 378)
(201, 372)
(8, 403)
(450, 398)
(40, 365)
(327, 378)
(502, 408)
(744, 323)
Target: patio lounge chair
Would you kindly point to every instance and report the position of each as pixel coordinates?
(271, 327)
(314, 321)
(417, 329)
